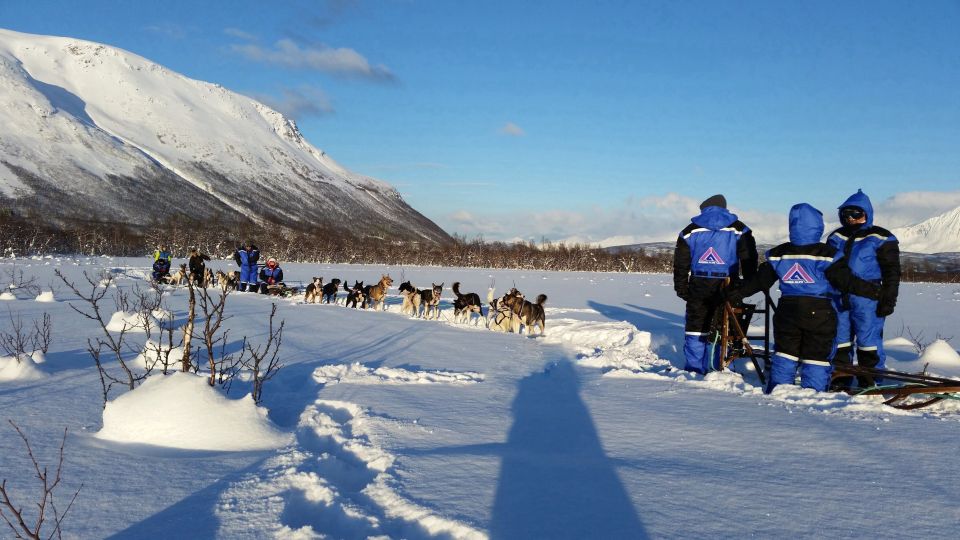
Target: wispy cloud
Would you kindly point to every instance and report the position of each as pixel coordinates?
(298, 103)
(341, 62)
(512, 130)
(417, 165)
(237, 33)
(168, 30)
(912, 207)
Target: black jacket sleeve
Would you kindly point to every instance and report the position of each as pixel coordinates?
(843, 279)
(681, 268)
(888, 256)
(747, 254)
(761, 280)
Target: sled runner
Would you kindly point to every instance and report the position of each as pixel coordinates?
(735, 343)
(898, 387)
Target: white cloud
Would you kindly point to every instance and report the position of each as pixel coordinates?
(168, 30)
(298, 103)
(512, 129)
(912, 207)
(660, 218)
(342, 62)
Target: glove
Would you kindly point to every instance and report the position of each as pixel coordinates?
(683, 293)
(885, 307)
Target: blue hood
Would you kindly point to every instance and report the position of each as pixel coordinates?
(806, 224)
(714, 218)
(860, 200)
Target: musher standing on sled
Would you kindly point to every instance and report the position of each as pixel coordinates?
(873, 254)
(714, 247)
(805, 322)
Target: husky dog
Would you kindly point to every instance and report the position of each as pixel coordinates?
(207, 277)
(312, 292)
(430, 301)
(501, 316)
(354, 295)
(227, 280)
(465, 305)
(411, 299)
(530, 314)
(330, 291)
(178, 277)
(374, 294)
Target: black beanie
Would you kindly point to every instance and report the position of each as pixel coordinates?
(716, 200)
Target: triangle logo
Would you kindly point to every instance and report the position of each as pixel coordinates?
(796, 275)
(711, 257)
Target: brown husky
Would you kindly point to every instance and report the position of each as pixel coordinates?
(377, 293)
(411, 299)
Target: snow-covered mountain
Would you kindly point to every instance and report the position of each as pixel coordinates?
(939, 234)
(93, 132)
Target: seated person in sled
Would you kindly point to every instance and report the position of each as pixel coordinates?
(271, 278)
(162, 260)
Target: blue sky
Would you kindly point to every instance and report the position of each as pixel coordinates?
(594, 121)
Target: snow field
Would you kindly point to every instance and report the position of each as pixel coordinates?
(384, 426)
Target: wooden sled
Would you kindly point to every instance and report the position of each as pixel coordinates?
(927, 389)
(734, 342)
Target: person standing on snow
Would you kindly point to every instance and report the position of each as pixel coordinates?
(271, 275)
(715, 246)
(873, 254)
(197, 266)
(805, 322)
(246, 258)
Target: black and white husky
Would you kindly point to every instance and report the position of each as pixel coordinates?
(312, 292)
(330, 291)
(411, 299)
(465, 305)
(430, 301)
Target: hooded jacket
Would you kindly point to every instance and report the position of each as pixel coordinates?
(873, 253)
(804, 266)
(716, 245)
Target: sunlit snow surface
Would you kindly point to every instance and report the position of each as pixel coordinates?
(383, 425)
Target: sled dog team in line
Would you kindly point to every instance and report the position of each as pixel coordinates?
(511, 312)
(508, 313)
(835, 295)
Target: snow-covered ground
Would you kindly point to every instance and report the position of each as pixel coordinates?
(383, 425)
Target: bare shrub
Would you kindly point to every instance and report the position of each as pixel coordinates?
(263, 361)
(48, 522)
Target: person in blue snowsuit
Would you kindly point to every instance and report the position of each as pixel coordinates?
(873, 254)
(271, 276)
(714, 247)
(246, 258)
(162, 259)
(805, 321)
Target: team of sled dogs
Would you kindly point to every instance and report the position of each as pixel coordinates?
(508, 313)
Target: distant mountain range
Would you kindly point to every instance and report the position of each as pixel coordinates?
(91, 132)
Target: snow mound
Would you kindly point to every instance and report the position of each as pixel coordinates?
(131, 321)
(7, 295)
(24, 370)
(154, 352)
(942, 358)
(182, 411)
(614, 345)
(45, 296)
(359, 374)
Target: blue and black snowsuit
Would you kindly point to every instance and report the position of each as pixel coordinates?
(714, 247)
(873, 254)
(805, 322)
(247, 259)
(162, 260)
(270, 276)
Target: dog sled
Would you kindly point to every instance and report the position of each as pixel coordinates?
(907, 391)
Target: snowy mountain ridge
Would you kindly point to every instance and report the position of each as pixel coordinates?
(92, 131)
(939, 234)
